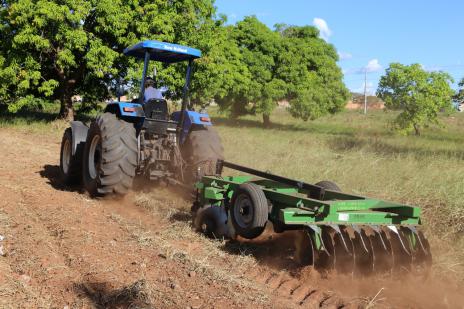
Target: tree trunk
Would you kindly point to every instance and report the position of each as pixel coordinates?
(66, 89)
(417, 129)
(66, 109)
(266, 120)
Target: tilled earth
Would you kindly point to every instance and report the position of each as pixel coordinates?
(62, 249)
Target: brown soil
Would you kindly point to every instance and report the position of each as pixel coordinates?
(62, 248)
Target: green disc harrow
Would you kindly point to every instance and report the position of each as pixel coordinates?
(343, 231)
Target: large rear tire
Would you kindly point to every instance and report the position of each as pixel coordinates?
(110, 156)
(201, 151)
(70, 164)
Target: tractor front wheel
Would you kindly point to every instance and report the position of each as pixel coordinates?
(110, 156)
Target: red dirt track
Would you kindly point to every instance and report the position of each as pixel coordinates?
(62, 248)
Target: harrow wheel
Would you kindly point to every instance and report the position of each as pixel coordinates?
(249, 210)
(212, 222)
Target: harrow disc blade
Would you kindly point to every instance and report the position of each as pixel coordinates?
(363, 251)
(343, 251)
(419, 248)
(305, 249)
(402, 258)
(427, 258)
(325, 257)
(382, 251)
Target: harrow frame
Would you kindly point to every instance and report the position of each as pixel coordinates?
(333, 220)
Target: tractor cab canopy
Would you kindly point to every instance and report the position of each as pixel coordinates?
(163, 52)
(166, 53)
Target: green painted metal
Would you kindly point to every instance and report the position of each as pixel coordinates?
(292, 206)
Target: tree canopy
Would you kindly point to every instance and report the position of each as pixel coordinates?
(291, 63)
(58, 49)
(419, 94)
(307, 64)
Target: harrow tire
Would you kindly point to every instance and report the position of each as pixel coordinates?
(201, 151)
(329, 185)
(249, 210)
(70, 165)
(110, 156)
(212, 222)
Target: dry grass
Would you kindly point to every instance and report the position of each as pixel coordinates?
(358, 152)
(364, 157)
(207, 259)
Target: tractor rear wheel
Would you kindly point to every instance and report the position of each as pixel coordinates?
(110, 156)
(70, 164)
(201, 150)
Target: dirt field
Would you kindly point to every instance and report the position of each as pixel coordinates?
(65, 250)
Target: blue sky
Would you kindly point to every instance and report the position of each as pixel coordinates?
(372, 34)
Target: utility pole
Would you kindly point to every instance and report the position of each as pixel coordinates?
(365, 91)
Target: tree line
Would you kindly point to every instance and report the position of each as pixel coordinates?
(54, 50)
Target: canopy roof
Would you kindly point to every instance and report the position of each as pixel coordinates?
(161, 51)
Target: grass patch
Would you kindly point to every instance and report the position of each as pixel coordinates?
(359, 152)
(363, 156)
(45, 120)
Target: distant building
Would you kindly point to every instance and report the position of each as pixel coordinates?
(357, 102)
(360, 105)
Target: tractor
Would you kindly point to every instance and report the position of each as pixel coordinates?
(142, 138)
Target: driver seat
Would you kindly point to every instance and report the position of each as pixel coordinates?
(156, 109)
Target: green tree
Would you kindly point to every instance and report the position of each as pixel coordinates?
(459, 96)
(58, 49)
(308, 65)
(259, 48)
(221, 74)
(421, 95)
(291, 63)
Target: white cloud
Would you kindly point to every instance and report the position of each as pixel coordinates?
(324, 29)
(372, 66)
(344, 56)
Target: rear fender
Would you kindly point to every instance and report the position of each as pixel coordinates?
(79, 135)
(191, 119)
(130, 112)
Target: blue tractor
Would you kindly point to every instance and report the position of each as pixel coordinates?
(142, 139)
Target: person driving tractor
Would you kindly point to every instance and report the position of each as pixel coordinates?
(151, 92)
